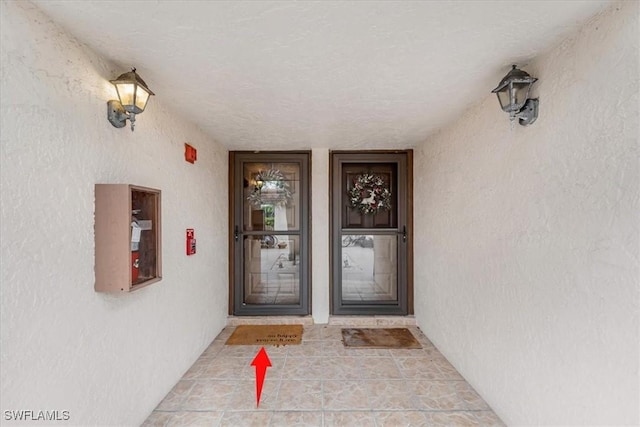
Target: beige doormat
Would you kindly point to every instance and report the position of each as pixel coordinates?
(379, 338)
(266, 335)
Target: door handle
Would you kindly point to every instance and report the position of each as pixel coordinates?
(404, 233)
(236, 234)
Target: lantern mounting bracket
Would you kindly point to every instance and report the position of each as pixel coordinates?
(529, 112)
(117, 115)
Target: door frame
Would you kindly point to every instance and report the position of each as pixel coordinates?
(337, 158)
(235, 267)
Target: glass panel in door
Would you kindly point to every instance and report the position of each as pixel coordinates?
(271, 196)
(369, 268)
(271, 270)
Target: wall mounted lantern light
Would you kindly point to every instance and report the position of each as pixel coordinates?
(133, 94)
(259, 184)
(513, 93)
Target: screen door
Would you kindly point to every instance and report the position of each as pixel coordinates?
(270, 233)
(370, 240)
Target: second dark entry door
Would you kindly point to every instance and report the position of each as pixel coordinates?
(370, 233)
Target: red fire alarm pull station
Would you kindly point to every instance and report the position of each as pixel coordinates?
(191, 242)
(190, 153)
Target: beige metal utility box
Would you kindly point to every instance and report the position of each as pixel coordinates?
(128, 252)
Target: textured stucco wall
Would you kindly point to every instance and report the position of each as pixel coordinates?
(107, 359)
(527, 238)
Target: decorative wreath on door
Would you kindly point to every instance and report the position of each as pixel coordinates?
(271, 187)
(370, 194)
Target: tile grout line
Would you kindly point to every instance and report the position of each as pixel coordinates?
(284, 365)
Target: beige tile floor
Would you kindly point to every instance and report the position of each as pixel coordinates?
(321, 383)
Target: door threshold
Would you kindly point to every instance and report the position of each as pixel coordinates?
(372, 320)
(269, 320)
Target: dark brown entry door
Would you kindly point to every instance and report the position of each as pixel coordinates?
(370, 233)
(270, 233)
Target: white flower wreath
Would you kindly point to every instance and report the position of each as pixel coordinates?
(369, 194)
(274, 190)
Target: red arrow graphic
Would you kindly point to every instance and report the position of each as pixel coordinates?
(261, 362)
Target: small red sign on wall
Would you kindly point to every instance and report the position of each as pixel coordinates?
(191, 242)
(190, 153)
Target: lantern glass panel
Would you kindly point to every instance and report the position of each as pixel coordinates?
(126, 92)
(141, 99)
(504, 99)
(522, 91)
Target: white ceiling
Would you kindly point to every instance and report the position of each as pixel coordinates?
(296, 75)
